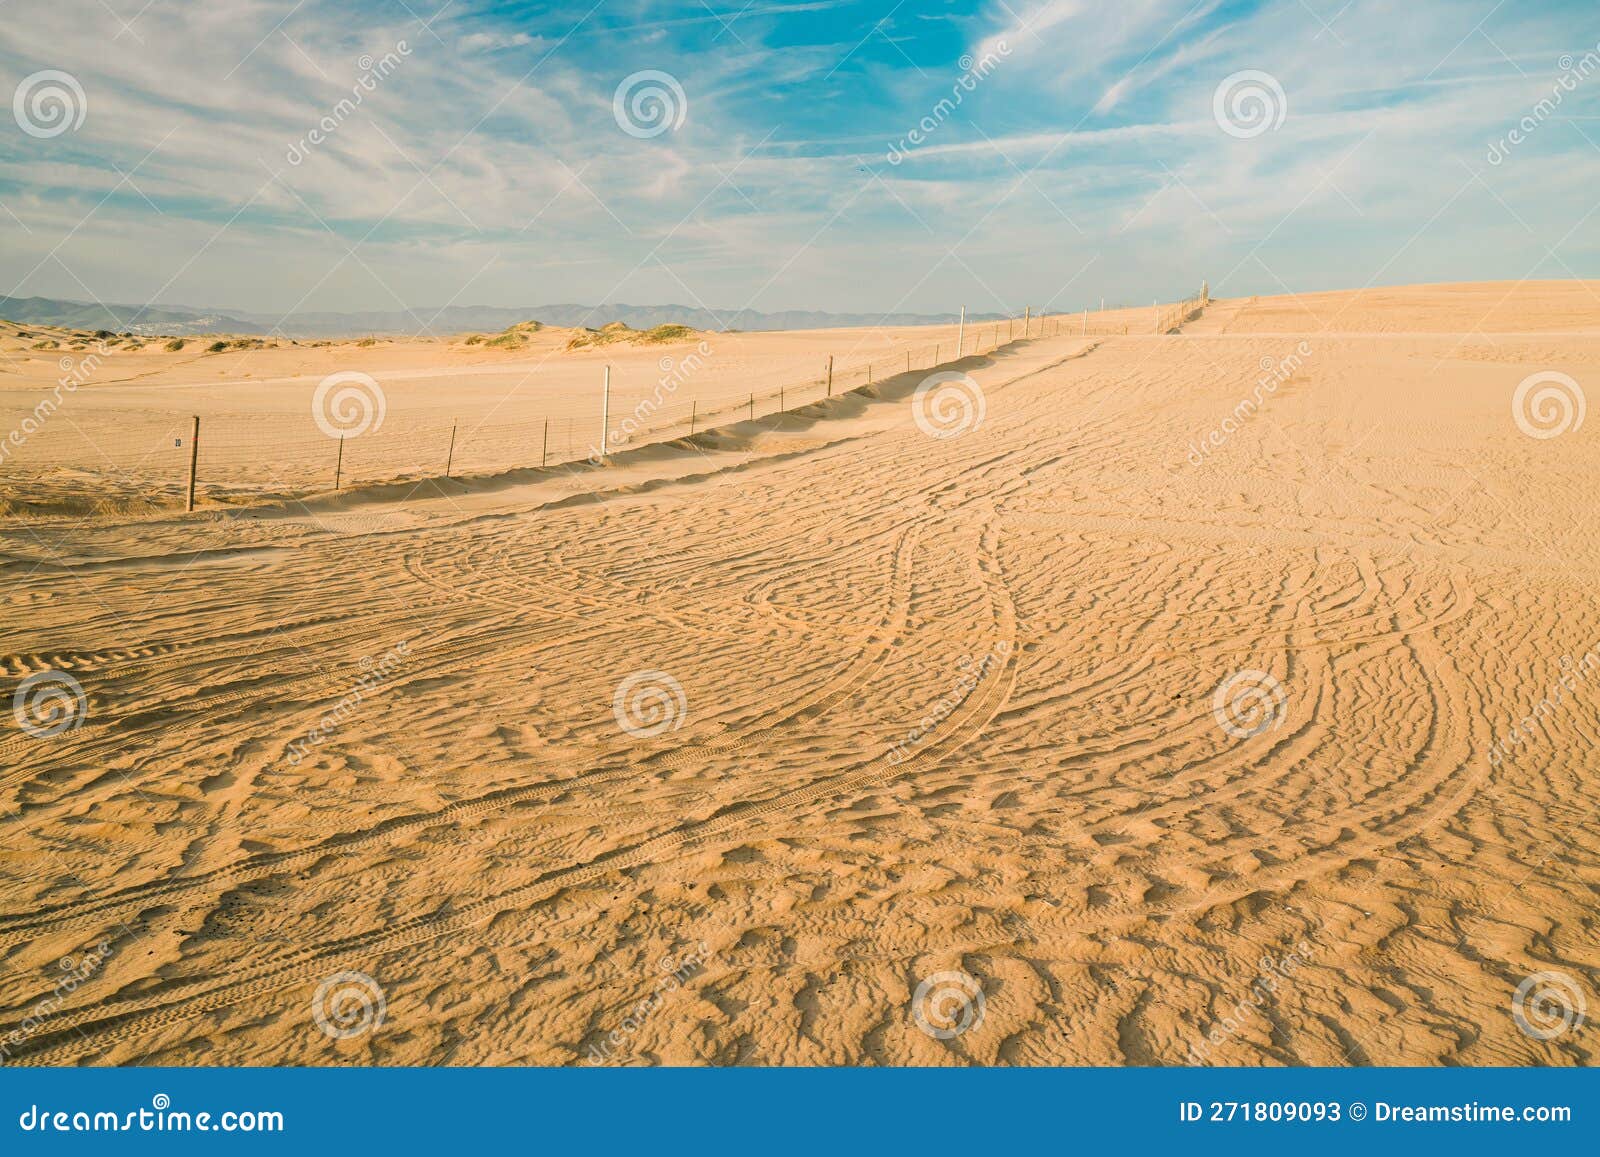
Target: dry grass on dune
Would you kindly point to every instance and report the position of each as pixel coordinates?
(1163, 715)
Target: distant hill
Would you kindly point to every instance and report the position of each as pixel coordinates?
(423, 320)
(134, 318)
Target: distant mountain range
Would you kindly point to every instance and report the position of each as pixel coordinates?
(180, 319)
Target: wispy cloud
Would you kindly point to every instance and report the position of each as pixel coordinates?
(490, 156)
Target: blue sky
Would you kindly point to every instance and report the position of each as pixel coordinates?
(1087, 156)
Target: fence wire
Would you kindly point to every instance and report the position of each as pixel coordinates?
(51, 464)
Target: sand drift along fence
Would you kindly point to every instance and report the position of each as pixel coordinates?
(62, 461)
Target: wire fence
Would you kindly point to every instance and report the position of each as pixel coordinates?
(132, 460)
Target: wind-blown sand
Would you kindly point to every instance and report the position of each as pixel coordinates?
(465, 403)
(948, 706)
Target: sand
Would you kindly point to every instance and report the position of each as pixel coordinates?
(114, 438)
(351, 784)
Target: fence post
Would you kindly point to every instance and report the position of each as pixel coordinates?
(605, 413)
(451, 456)
(194, 458)
(338, 463)
(752, 407)
(694, 407)
(1027, 316)
(780, 400)
(544, 451)
(830, 375)
(908, 361)
(961, 333)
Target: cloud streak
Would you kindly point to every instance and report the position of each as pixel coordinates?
(489, 162)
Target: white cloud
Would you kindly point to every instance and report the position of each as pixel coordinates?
(461, 158)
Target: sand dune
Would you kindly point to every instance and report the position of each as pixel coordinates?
(412, 409)
(1170, 706)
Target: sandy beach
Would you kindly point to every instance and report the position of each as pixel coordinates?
(1228, 696)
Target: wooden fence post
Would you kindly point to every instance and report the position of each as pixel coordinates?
(194, 458)
(544, 451)
(605, 413)
(752, 407)
(338, 463)
(451, 456)
(694, 407)
(830, 375)
(1027, 316)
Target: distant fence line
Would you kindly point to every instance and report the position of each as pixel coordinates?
(181, 460)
